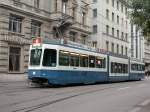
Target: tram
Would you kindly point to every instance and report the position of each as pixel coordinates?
(58, 62)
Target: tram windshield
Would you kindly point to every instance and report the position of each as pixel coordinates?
(35, 57)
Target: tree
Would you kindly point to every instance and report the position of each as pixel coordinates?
(140, 15)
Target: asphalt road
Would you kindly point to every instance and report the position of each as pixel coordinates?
(114, 97)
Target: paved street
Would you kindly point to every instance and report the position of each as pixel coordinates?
(115, 97)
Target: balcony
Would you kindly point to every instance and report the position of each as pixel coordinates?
(82, 27)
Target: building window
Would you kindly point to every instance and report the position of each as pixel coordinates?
(117, 33)
(117, 5)
(113, 17)
(122, 8)
(64, 6)
(107, 46)
(35, 28)
(107, 29)
(94, 12)
(117, 19)
(83, 18)
(122, 21)
(37, 3)
(112, 47)
(126, 51)
(126, 10)
(72, 36)
(74, 12)
(126, 37)
(117, 49)
(95, 29)
(113, 3)
(15, 23)
(94, 1)
(122, 50)
(107, 1)
(122, 36)
(126, 24)
(113, 32)
(107, 13)
(55, 4)
(94, 44)
(83, 39)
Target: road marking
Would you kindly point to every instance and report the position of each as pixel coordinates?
(137, 109)
(124, 88)
(146, 102)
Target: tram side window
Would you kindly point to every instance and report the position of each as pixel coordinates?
(49, 58)
(137, 67)
(74, 59)
(112, 67)
(119, 68)
(133, 67)
(83, 60)
(143, 67)
(35, 56)
(100, 62)
(63, 58)
(92, 61)
(126, 68)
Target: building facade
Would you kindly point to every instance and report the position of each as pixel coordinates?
(111, 26)
(22, 20)
(137, 43)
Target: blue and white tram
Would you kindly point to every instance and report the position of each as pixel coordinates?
(60, 64)
(137, 69)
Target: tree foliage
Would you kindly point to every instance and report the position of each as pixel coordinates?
(140, 15)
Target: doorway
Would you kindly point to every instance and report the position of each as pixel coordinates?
(14, 59)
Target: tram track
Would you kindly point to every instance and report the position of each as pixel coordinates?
(42, 105)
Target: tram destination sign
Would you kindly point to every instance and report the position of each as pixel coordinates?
(36, 42)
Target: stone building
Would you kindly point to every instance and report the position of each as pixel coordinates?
(22, 20)
(136, 43)
(111, 26)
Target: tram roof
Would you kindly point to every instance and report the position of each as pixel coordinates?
(63, 42)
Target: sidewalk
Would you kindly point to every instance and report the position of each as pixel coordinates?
(13, 77)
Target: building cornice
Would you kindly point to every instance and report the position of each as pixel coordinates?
(23, 11)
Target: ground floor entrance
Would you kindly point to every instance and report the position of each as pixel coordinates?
(14, 59)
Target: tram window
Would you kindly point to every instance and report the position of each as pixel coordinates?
(143, 67)
(99, 62)
(35, 56)
(49, 58)
(123, 68)
(126, 68)
(74, 59)
(83, 60)
(112, 67)
(104, 63)
(92, 61)
(64, 58)
(120, 68)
